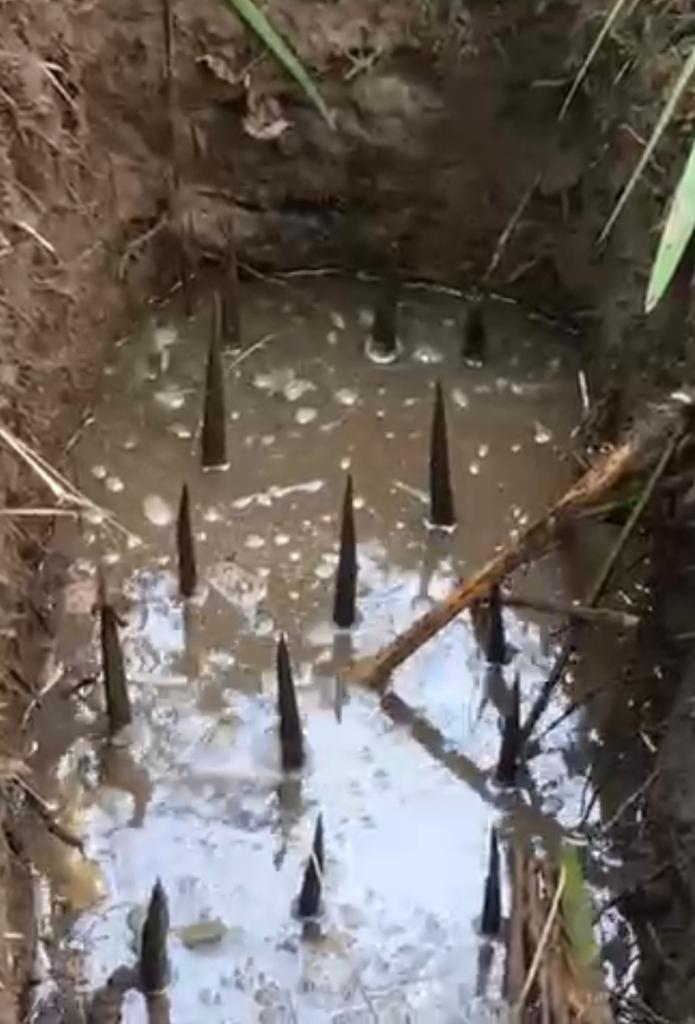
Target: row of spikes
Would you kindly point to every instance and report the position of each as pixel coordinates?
(488, 624)
(213, 434)
(154, 961)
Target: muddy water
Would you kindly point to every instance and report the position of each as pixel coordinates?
(196, 796)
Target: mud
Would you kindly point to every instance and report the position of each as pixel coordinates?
(197, 797)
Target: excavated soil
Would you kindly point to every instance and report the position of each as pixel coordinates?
(445, 115)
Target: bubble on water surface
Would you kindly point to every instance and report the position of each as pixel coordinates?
(474, 468)
(281, 540)
(428, 355)
(212, 514)
(254, 541)
(332, 337)
(483, 450)
(459, 398)
(365, 317)
(305, 415)
(541, 434)
(296, 388)
(130, 443)
(115, 484)
(158, 511)
(337, 319)
(180, 430)
(99, 472)
(170, 398)
(346, 396)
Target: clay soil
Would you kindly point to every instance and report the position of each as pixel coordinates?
(445, 115)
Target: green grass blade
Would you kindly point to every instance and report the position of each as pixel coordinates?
(661, 125)
(258, 23)
(577, 911)
(676, 235)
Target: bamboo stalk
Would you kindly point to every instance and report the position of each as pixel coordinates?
(609, 470)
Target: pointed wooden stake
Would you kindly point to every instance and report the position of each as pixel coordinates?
(115, 685)
(442, 511)
(291, 740)
(491, 920)
(214, 441)
(508, 763)
(495, 644)
(154, 963)
(309, 902)
(474, 341)
(346, 573)
(188, 574)
(383, 345)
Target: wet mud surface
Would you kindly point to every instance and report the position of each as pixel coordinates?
(193, 793)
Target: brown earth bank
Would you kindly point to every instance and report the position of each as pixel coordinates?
(445, 116)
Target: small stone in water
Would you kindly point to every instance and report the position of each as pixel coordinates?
(346, 396)
(332, 337)
(254, 541)
(474, 469)
(281, 539)
(202, 933)
(157, 510)
(365, 317)
(337, 319)
(345, 462)
(459, 398)
(180, 430)
(483, 449)
(130, 443)
(115, 484)
(305, 415)
(99, 472)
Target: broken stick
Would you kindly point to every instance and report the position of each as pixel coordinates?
(610, 469)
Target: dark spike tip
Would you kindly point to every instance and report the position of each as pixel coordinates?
(154, 962)
(188, 573)
(474, 341)
(213, 439)
(495, 643)
(115, 684)
(344, 613)
(385, 313)
(491, 919)
(291, 739)
(442, 511)
(510, 749)
(309, 901)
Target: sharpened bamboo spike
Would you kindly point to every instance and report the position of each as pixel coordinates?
(346, 573)
(188, 573)
(291, 740)
(491, 919)
(214, 441)
(495, 643)
(385, 312)
(154, 963)
(442, 511)
(309, 902)
(474, 341)
(115, 684)
(508, 763)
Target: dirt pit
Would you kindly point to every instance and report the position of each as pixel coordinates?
(446, 156)
(193, 792)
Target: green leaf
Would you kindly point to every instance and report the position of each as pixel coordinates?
(258, 23)
(661, 125)
(675, 236)
(577, 910)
